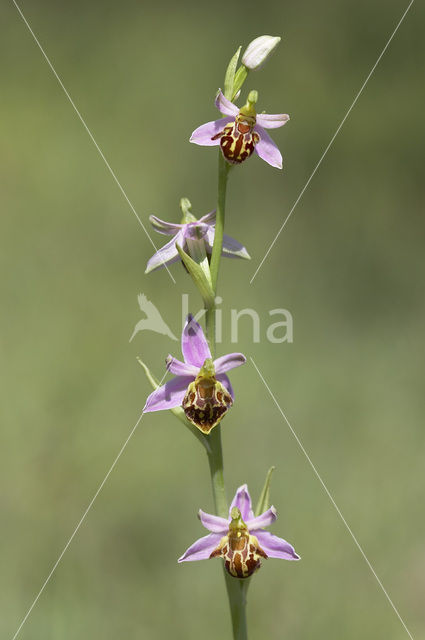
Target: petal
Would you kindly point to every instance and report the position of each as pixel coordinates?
(242, 501)
(167, 228)
(168, 396)
(209, 218)
(203, 134)
(210, 239)
(181, 368)
(264, 520)
(272, 121)
(215, 524)
(233, 249)
(266, 148)
(229, 361)
(225, 106)
(195, 347)
(276, 547)
(164, 256)
(223, 378)
(202, 548)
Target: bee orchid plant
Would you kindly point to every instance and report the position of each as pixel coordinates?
(200, 393)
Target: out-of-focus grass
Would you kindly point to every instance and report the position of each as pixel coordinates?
(349, 266)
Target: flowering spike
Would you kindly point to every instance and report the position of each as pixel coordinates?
(206, 400)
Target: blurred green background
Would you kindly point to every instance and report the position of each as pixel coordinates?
(349, 266)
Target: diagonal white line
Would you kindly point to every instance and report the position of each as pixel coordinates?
(318, 476)
(330, 143)
(78, 526)
(89, 133)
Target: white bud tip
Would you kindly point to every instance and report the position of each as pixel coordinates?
(258, 51)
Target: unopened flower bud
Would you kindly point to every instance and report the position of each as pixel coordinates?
(259, 50)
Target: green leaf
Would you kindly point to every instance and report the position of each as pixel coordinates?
(264, 501)
(240, 77)
(177, 411)
(230, 75)
(201, 277)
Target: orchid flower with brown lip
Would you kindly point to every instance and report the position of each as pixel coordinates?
(201, 385)
(242, 132)
(240, 540)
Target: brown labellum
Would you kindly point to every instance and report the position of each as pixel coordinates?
(241, 553)
(205, 403)
(238, 139)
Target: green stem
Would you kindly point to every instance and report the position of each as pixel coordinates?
(215, 455)
(210, 324)
(236, 589)
(215, 459)
(223, 172)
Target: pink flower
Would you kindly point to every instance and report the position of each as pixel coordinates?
(241, 132)
(201, 385)
(185, 234)
(241, 540)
